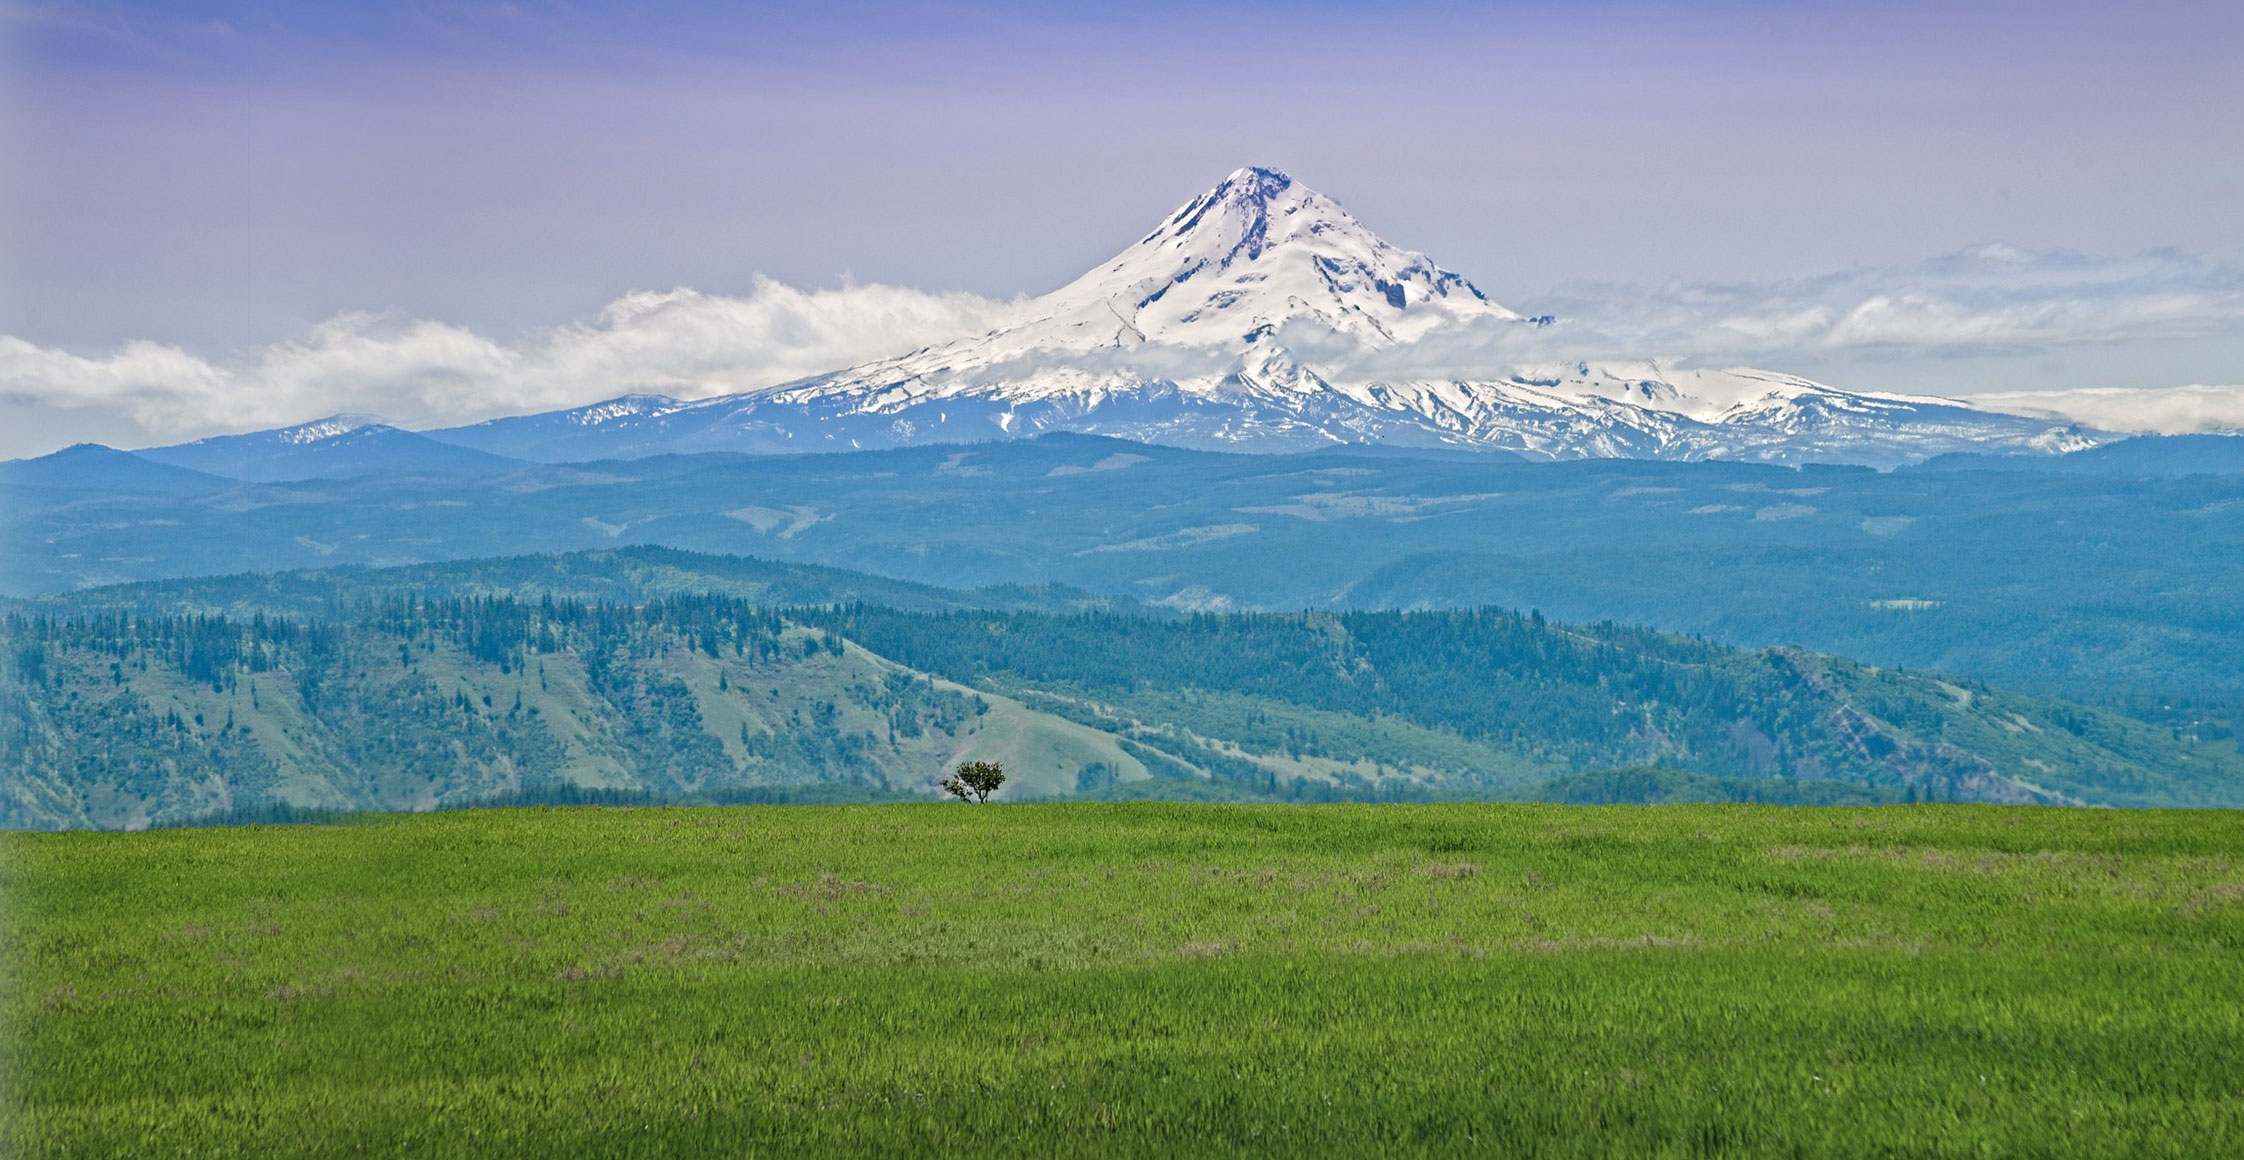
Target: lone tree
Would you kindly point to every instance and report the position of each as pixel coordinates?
(976, 781)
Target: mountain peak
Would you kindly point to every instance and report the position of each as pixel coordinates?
(1254, 254)
(1257, 182)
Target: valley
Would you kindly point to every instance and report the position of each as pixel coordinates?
(2111, 586)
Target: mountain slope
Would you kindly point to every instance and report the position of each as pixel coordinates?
(91, 467)
(1262, 316)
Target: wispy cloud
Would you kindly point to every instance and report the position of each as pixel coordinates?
(1987, 299)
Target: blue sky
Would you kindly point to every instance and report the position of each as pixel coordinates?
(222, 180)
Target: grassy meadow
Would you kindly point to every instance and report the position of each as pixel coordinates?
(1132, 978)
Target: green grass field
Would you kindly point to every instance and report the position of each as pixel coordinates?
(1143, 978)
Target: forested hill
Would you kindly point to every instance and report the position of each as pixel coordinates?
(128, 719)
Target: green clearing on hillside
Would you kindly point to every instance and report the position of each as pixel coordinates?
(1147, 979)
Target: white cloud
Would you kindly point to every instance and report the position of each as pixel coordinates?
(1987, 299)
(415, 372)
(157, 385)
(2158, 410)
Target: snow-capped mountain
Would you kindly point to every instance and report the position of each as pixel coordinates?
(1240, 322)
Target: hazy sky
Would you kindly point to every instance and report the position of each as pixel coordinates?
(226, 185)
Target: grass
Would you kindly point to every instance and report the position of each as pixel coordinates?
(1138, 978)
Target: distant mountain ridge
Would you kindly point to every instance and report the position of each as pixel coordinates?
(2141, 455)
